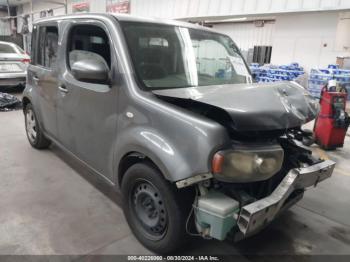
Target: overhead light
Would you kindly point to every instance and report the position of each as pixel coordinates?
(237, 19)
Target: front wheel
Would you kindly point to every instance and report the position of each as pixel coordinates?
(155, 209)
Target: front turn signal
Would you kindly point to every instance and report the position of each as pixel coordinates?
(217, 162)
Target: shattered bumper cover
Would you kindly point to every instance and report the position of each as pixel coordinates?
(256, 215)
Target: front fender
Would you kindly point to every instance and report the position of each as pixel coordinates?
(180, 142)
(176, 154)
(157, 148)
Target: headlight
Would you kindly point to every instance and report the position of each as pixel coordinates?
(247, 164)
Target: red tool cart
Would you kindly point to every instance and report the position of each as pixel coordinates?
(332, 122)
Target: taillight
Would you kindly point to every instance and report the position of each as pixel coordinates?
(26, 60)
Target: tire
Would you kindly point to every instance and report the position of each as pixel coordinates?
(35, 134)
(155, 209)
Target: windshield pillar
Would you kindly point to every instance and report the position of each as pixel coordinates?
(189, 57)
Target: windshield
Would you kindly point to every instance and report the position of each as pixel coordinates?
(173, 57)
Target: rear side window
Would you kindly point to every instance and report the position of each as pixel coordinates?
(32, 46)
(88, 41)
(47, 47)
(7, 49)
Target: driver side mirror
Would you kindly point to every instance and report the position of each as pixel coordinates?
(91, 71)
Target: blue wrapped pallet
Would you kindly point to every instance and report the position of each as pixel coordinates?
(273, 73)
(319, 78)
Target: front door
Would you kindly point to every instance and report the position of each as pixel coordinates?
(87, 111)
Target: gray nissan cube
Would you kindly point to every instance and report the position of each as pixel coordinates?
(166, 112)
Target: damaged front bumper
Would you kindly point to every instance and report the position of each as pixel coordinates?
(256, 215)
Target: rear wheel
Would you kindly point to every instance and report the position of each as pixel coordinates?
(34, 133)
(155, 209)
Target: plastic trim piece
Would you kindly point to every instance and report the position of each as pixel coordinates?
(192, 180)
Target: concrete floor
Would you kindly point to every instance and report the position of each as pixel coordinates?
(51, 205)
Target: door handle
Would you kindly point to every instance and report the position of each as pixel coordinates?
(63, 89)
(35, 78)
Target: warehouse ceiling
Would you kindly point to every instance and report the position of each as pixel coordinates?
(20, 2)
(14, 2)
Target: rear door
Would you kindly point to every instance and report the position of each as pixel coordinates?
(87, 111)
(43, 74)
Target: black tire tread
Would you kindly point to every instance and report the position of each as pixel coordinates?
(180, 206)
(41, 141)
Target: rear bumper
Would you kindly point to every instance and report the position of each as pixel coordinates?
(256, 215)
(12, 79)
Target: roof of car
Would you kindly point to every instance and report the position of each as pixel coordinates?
(124, 17)
(7, 43)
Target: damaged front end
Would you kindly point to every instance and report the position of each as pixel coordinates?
(259, 213)
(264, 169)
(245, 193)
(250, 109)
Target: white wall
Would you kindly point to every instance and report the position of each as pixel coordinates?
(96, 6)
(309, 39)
(205, 8)
(247, 35)
(4, 24)
(305, 38)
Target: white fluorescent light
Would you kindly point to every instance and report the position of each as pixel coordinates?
(238, 19)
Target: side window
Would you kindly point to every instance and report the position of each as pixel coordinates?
(88, 41)
(47, 46)
(40, 47)
(33, 43)
(155, 58)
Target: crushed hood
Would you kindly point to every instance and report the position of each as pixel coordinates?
(254, 107)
